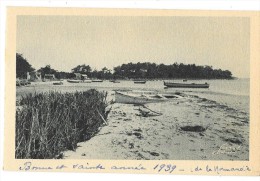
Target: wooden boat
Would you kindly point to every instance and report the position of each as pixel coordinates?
(97, 80)
(58, 83)
(185, 85)
(87, 81)
(73, 81)
(134, 98)
(139, 81)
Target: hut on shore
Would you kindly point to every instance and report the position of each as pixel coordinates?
(34, 76)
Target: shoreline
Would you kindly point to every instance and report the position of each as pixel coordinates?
(129, 135)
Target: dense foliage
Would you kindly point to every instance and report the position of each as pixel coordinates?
(161, 71)
(145, 70)
(22, 66)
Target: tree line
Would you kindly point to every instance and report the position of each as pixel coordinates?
(138, 70)
(154, 71)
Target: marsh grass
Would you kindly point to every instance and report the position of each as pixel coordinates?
(49, 123)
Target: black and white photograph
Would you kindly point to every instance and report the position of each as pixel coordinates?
(132, 87)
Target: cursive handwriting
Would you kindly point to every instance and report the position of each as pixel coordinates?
(219, 169)
(227, 149)
(160, 168)
(28, 166)
(88, 167)
(139, 167)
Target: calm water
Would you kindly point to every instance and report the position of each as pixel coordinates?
(232, 87)
(234, 93)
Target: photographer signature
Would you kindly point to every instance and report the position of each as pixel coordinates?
(227, 149)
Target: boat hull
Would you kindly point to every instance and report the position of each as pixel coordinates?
(182, 85)
(86, 81)
(73, 81)
(57, 83)
(121, 97)
(139, 82)
(97, 80)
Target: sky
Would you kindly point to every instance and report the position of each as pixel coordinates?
(99, 41)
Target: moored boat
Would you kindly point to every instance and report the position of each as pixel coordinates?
(139, 81)
(58, 83)
(97, 80)
(87, 81)
(73, 81)
(185, 85)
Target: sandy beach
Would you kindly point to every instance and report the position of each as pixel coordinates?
(202, 125)
(131, 135)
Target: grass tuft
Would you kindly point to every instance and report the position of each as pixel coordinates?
(52, 122)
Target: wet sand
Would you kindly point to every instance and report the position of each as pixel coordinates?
(222, 132)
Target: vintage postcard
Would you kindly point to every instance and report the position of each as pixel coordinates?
(132, 91)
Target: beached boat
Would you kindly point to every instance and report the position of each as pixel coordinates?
(135, 98)
(97, 80)
(186, 85)
(58, 83)
(73, 81)
(139, 81)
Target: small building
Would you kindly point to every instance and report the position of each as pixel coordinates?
(34, 76)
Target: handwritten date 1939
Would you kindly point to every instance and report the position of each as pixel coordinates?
(169, 168)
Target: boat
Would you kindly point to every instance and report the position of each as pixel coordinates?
(186, 85)
(114, 81)
(87, 81)
(73, 81)
(139, 81)
(97, 80)
(58, 83)
(135, 98)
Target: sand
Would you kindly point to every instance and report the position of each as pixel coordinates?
(222, 132)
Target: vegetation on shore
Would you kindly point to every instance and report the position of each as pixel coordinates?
(49, 123)
(173, 71)
(138, 70)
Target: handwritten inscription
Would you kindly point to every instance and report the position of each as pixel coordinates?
(220, 169)
(88, 167)
(28, 166)
(227, 149)
(139, 167)
(168, 168)
(159, 168)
